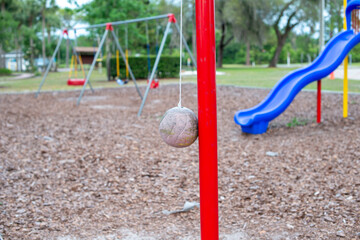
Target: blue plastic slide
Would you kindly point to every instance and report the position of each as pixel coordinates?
(256, 120)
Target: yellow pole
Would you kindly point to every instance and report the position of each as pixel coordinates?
(71, 66)
(346, 80)
(76, 62)
(117, 64)
(127, 62)
(82, 66)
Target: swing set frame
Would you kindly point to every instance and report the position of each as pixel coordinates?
(109, 29)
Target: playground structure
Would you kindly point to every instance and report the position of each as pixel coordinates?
(255, 120)
(109, 28)
(74, 65)
(99, 197)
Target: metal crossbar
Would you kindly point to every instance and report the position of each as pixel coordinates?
(124, 22)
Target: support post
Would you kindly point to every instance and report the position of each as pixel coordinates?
(50, 62)
(92, 66)
(206, 81)
(318, 119)
(148, 47)
(126, 51)
(322, 40)
(126, 63)
(155, 67)
(186, 45)
(346, 62)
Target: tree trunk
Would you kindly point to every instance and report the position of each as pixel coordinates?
(247, 52)
(223, 43)
(274, 61)
(3, 7)
(108, 57)
(49, 36)
(194, 35)
(2, 57)
(43, 38)
(16, 51)
(21, 53)
(67, 53)
(31, 53)
(220, 56)
(58, 61)
(221, 46)
(31, 45)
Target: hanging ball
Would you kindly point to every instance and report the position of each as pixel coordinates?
(179, 127)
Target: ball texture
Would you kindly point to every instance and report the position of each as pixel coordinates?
(179, 127)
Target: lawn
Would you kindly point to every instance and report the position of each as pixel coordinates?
(237, 75)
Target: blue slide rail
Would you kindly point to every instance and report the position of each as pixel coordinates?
(256, 120)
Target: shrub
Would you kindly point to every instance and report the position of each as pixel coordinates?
(5, 72)
(168, 67)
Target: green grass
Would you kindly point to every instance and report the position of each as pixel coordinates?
(54, 81)
(237, 75)
(297, 122)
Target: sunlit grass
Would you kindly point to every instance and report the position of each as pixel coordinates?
(237, 75)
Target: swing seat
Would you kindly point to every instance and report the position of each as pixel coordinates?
(76, 82)
(154, 84)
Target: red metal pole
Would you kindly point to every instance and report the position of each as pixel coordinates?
(206, 84)
(318, 120)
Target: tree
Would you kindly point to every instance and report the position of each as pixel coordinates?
(7, 26)
(46, 6)
(335, 18)
(31, 12)
(189, 21)
(100, 11)
(68, 18)
(224, 24)
(288, 15)
(20, 17)
(247, 19)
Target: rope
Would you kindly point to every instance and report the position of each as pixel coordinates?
(126, 52)
(148, 47)
(181, 27)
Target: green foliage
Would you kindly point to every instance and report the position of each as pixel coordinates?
(100, 11)
(245, 20)
(356, 54)
(5, 72)
(168, 67)
(296, 122)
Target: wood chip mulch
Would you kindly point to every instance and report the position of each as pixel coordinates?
(97, 171)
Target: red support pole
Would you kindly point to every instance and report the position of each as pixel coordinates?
(318, 120)
(206, 84)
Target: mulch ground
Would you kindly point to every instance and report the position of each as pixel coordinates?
(99, 172)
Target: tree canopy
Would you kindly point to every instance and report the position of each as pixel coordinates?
(258, 31)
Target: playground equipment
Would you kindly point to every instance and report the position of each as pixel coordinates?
(155, 82)
(65, 32)
(126, 52)
(118, 80)
(109, 28)
(255, 120)
(179, 126)
(206, 85)
(74, 65)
